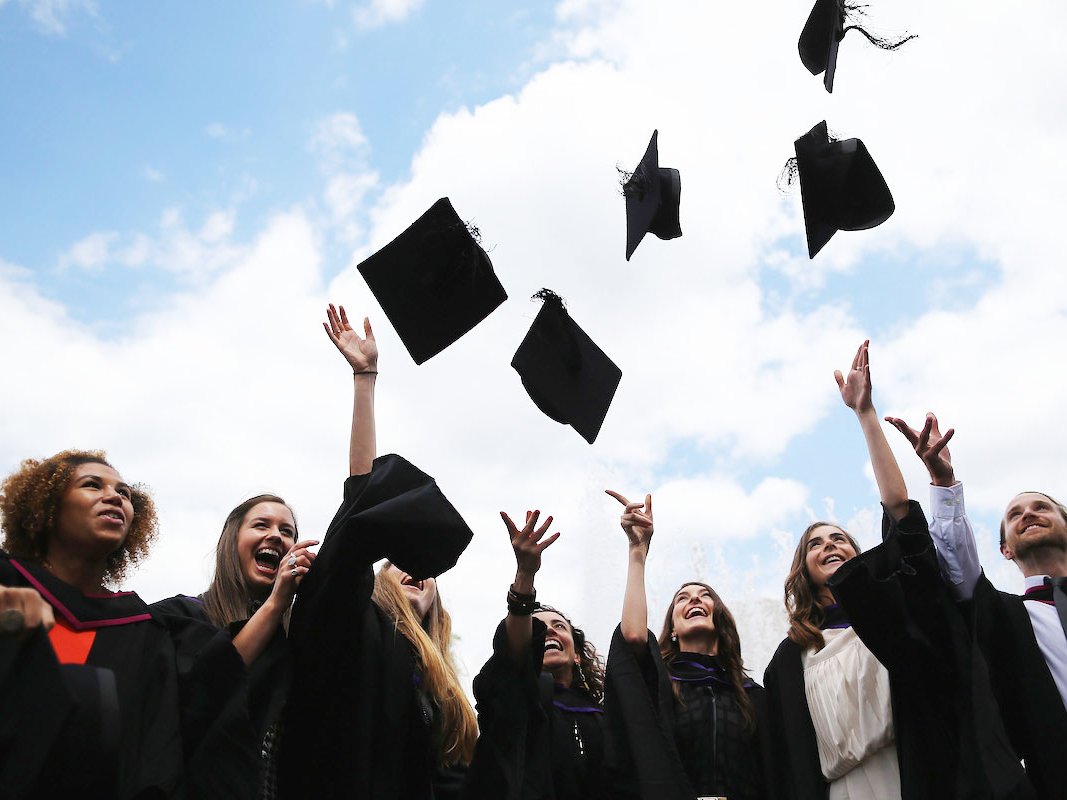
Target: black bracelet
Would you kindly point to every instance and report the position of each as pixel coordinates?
(513, 594)
(521, 604)
(521, 609)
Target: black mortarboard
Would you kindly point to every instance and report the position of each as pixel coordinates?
(821, 37)
(823, 32)
(840, 187)
(433, 281)
(652, 198)
(395, 511)
(566, 375)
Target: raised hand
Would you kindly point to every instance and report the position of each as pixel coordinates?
(527, 541)
(856, 389)
(361, 354)
(291, 571)
(636, 520)
(931, 446)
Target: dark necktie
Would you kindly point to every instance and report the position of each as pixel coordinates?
(1052, 592)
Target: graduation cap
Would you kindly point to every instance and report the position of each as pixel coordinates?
(840, 187)
(652, 197)
(434, 282)
(566, 375)
(820, 38)
(395, 511)
(822, 35)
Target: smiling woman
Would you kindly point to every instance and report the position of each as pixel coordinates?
(258, 565)
(540, 696)
(92, 695)
(707, 718)
(875, 692)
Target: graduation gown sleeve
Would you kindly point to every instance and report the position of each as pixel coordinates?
(1026, 692)
(226, 707)
(354, 671)
(950, 739)
(795, 773)
(640, 711)
(512, 756)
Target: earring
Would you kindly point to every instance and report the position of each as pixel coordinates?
(674, 638)
(581, 675)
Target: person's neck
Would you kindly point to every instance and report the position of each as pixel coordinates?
(1051, 561)
(705, 643)
(563, 675)
(84, 575)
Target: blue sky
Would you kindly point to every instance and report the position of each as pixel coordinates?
(185, 186)
(135, 108)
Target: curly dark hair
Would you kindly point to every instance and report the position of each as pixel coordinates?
(29, 504)
(590, 673)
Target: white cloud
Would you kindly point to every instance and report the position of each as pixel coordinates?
(342, 149)
(152, 174)
(53, 17)
(90, 253)
(376, 13)
(188, 253)
(233, 389)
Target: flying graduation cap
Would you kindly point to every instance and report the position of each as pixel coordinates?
(652, 197)
(434, 281)
(822, 35)
(566, 375)
(840, 187)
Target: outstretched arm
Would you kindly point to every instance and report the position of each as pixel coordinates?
(957, 552)
(636, 522)
(856, 394)
(528, 546)
(362, 356)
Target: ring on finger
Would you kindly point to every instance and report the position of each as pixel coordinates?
(294, 573)
(12, 620)
(292, 561)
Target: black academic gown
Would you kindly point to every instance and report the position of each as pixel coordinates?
(950, 740)
(108, 728)
(357, 724)
(229, 760)
(537, 741)
(1029, 701)
(654, 733)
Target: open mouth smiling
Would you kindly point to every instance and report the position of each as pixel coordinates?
(268, 558)
(552, 644)
(409, 581)
(114, 515)
(833, 558)
(695, 611)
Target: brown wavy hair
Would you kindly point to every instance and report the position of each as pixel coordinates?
(805, 613)
(591, 666)
(1059, 507)
(729, 648)
(431, 639)
(228, 598)
(29, 504)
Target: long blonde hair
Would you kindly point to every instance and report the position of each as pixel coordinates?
(432, 642)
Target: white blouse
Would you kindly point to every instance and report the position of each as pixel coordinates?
(848, 698)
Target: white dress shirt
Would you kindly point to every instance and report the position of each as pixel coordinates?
(958, 557)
